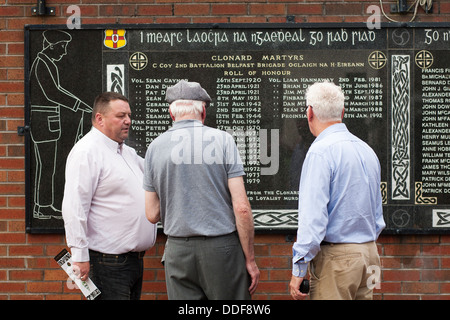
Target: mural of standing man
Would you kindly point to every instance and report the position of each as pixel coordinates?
(48, 98)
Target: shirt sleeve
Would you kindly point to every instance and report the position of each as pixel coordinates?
(380, 223)
(78, 192)
(233, 162)
(147, 180)
(314, 196)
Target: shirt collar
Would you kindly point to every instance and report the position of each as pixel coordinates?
(186, 124)
(110, 143)
(338, 127)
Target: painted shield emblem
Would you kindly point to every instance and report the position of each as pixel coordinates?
(115, 39)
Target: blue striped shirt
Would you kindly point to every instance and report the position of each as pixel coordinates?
(339, 198)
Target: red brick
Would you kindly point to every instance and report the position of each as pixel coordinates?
(436, 250)
(11, 287)
(12, 112)
(435, 275)
(13, 124)
(16, 74)
(117, 10)
(305, 9)
(26, 297)
(154, 10)
(401, 275)
(229, 9)
(445, 7)
(282, 249)
(16, 201)
(401, 250)
(86, 11)
(12, 238)
(261, 250)
(16, 151)
(16, 226)
(154, 286)
(273, 287)
(16, 100)
(282, 275)
(420, 239)
(420, 287)
(26, 250)
(274, 262)
(269, 9)
(11, 188)
(446, 263)
(41, 263)
(3, 250)
(270, 238)
(390, 287)
(346, 9)
(191, 9)
(11, 263)
(152, 262)
(11, 86)
(11, 11)
(3, 202)
(25, 275)
(10, 138)
(74, 296)
(45, 287)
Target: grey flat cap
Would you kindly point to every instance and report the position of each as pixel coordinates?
(184, 90)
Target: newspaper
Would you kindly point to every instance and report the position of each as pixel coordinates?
(88, 288)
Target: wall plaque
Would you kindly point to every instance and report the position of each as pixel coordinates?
(396, 80)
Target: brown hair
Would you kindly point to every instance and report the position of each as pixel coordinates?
(101, 102)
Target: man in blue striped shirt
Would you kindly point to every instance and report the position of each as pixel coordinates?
(340, 212)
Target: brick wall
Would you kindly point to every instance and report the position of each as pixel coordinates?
(414, 267)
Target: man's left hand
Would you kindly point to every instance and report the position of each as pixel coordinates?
(294, 288)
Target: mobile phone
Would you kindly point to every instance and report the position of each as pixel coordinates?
(304, 286)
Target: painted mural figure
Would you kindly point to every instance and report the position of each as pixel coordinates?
(48, 97)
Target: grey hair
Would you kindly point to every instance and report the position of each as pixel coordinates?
(180, 108)
(327, 100)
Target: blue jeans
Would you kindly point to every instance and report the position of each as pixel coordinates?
(118, 277)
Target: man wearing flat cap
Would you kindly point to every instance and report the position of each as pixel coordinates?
(194, 185)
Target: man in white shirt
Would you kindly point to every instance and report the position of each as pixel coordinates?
(104, 203)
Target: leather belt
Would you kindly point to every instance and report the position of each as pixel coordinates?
(138, 255)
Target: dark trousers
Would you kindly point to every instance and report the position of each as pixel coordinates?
(199, 268)
(118, 277)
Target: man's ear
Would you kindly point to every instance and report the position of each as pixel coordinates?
(171, 115)
(204, 114)
(99, 118)
(310, 114)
